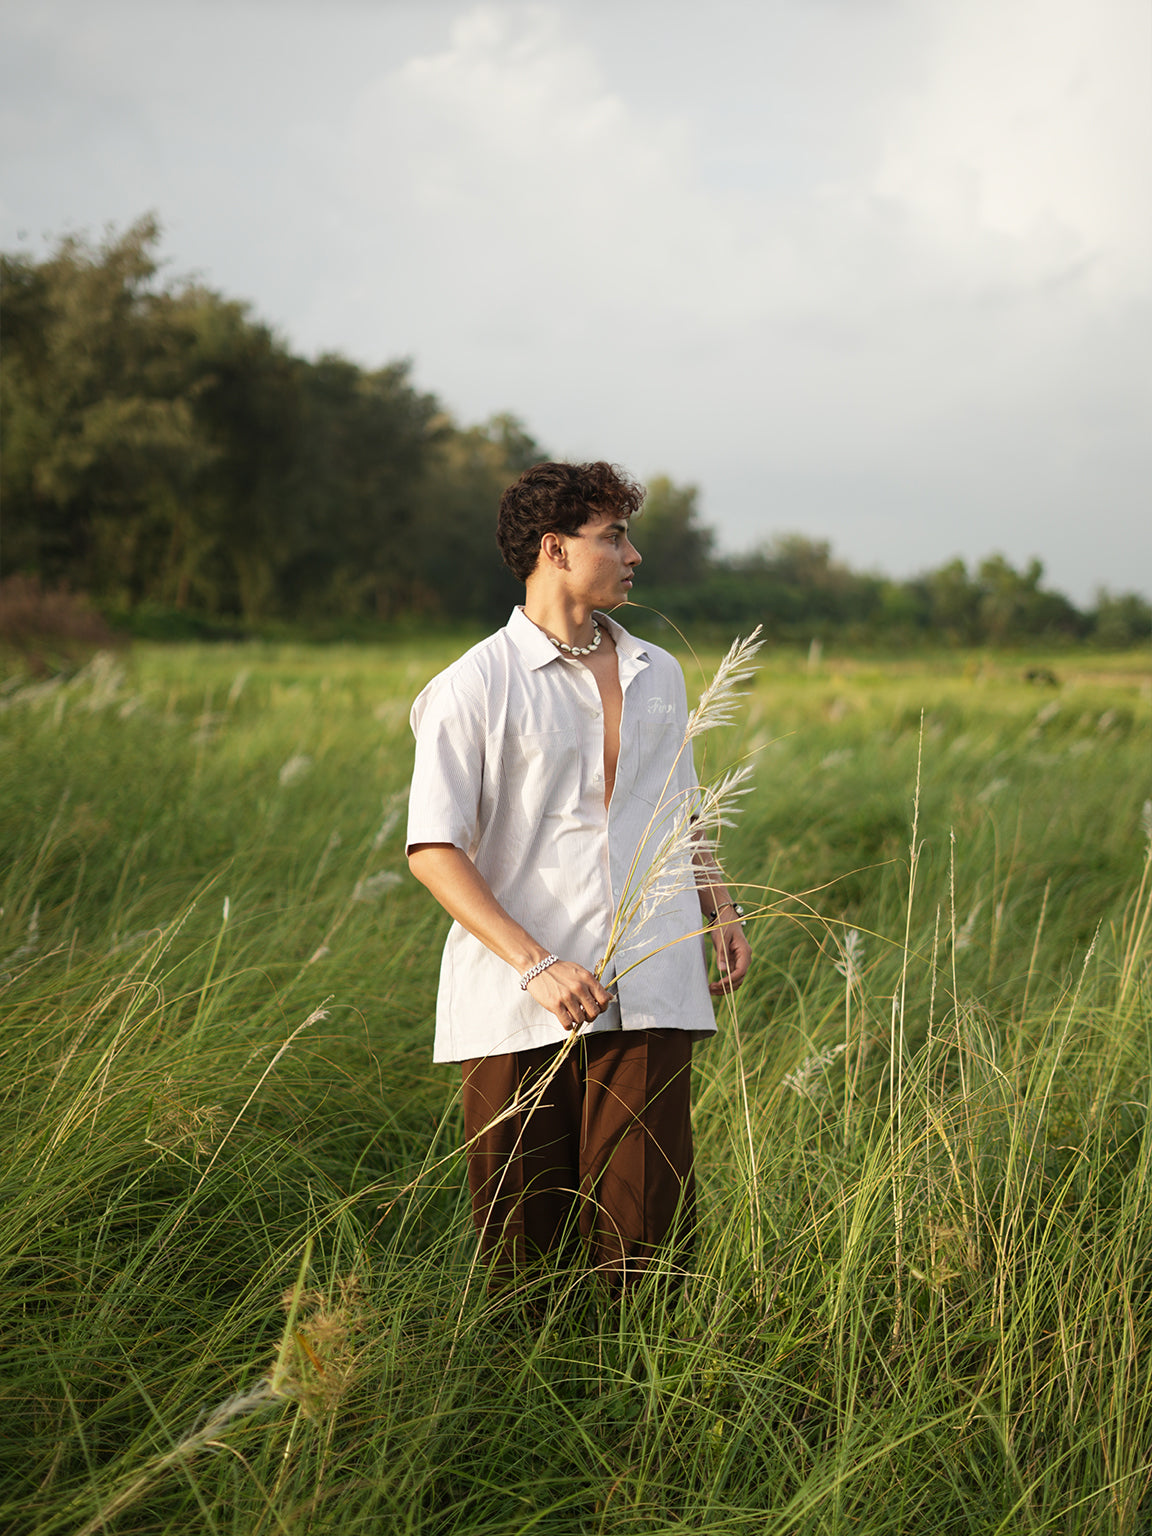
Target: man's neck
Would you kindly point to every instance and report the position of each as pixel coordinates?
(561, 619)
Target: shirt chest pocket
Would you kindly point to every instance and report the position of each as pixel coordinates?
(656, 770)
(541, 774)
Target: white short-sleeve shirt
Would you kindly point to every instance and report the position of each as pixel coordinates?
(510, 768)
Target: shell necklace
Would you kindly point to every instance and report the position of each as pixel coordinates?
(579, 650)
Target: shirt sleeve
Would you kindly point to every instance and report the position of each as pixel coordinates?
(448, 773)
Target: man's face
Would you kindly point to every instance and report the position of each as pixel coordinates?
(601, 560)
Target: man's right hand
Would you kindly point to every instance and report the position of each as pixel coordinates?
(570, 993)
(566, 990)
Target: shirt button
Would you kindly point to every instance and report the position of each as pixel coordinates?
(595, 714)
(596, 777)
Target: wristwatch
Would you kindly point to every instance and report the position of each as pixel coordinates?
(736, 907)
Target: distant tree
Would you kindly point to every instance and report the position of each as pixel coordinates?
(954, 603)
(1120, 620)
(164, 445)
(366, 443)
(801, 562)
(1013, 606)
(460, 574)
(241, 527)
(98, 411)
(518, 449)
(905, 607)
(676, 547)
(803, 591)
(1005, 597)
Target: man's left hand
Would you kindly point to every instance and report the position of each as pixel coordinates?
(733, 956)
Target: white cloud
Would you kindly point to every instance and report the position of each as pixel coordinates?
(1024, 157)
(506, 162)
(515, 168)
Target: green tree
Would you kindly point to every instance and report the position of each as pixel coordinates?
(1121, 619)
(675, 545)
(164, 445)
(1013, 606)
(954, 603)
(236, 531)
(462, 575)
(801, 562)
(905, 608)
(366, 444)
(803, 591)
(519, 450)
(99, 422)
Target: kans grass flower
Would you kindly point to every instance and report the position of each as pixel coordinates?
(687, 854)
(296, 768)
(853, 953)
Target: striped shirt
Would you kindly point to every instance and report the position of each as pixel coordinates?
(510, 769)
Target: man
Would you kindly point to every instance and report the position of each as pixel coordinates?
(550, 760)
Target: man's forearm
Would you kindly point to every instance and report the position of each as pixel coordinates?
(465, 895)
(729, 942)
(710, 884)
(567, 990)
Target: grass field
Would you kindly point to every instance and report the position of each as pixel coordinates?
(238, 1292)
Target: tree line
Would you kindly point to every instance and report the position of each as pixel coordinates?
(167, 454)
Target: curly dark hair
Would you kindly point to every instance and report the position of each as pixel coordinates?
(559, 498)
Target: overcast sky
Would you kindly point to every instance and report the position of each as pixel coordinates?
(877, 271)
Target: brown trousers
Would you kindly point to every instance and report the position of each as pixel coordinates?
(605, 1159)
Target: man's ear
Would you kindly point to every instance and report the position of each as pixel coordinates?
(552, 550)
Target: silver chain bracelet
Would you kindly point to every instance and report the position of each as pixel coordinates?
(541, 965)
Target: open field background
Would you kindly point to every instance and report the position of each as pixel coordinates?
(236, 1290)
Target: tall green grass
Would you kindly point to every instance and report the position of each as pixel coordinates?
(238, 1293)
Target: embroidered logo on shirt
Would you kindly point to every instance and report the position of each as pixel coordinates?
(658, 707)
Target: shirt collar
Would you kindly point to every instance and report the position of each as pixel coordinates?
(537, 650)
(626, 644)
(532, 643)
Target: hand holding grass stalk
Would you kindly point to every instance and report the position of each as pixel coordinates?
(687, 855)
(686, 858)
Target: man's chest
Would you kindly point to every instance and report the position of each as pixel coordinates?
(568, 742)
(606, 676)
